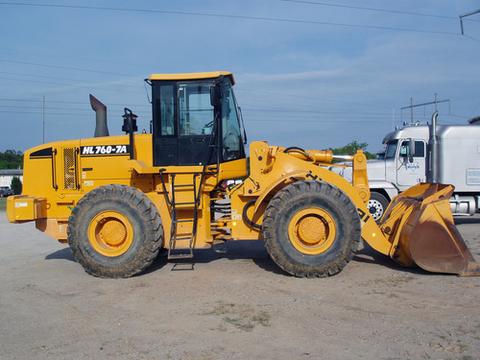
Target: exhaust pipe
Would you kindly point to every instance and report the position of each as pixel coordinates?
(433, 149)
(101, 128)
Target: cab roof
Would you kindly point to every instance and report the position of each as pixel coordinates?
(192, 76)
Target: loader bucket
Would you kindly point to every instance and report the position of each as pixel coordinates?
(420, 227)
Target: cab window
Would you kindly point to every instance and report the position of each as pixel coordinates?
(195, 110)
(419, 149)
(166, 104)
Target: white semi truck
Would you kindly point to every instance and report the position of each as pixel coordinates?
(447, 154)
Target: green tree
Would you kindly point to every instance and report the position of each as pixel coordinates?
(351, 149)
(16, 185)
(11, 159)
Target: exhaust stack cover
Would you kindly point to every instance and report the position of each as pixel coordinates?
(101, 127)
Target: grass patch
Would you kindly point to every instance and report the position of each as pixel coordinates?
(3, 204)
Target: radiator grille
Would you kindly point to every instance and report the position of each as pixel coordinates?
(69, 166)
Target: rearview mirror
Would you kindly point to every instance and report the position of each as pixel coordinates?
(215, 95)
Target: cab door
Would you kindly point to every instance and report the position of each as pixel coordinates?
(165, 129)
(411, 169)
(183, 119)
(195, 123)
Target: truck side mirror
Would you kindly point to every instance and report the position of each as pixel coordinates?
(411, 150)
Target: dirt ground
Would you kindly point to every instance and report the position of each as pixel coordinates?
(232, 306)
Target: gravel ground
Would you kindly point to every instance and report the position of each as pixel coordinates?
(232, 306)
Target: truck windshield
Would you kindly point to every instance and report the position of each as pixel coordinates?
(391, 149)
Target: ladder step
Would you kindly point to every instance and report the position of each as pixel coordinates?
(185, 203)
(183, 238)
(183, 221)
(183, 185)
(180, 256)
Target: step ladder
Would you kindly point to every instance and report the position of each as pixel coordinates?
(174, 206)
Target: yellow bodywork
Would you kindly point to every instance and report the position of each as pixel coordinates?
(53, 194)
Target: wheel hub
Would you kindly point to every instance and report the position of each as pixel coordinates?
(375, 208)
(312, 231)
(110, 233)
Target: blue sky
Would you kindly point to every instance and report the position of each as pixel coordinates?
(303, 84)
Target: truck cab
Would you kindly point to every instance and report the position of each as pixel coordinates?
(400, 166)
(406, 162)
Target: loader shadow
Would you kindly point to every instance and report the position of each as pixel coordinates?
(253, 250)
(62, 254)
(370, 256)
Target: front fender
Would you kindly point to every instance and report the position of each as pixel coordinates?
(275, 185)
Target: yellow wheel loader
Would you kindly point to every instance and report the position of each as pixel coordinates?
(189, 184)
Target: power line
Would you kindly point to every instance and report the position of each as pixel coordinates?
(229, 16)
(272, 110)
(39, 76)
(279, 120)
(301, 111)
(61, 66)
(384, 10)
(72, 83)
(33, 81)
(65, 102)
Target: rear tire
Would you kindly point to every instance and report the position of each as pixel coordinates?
(330, 216)
(115, 231)
(377, 205)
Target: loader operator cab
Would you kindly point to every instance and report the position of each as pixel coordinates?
(196, 120)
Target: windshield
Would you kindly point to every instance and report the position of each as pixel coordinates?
(391, 149)
(231, 135)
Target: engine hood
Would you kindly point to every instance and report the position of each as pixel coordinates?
(376, 169)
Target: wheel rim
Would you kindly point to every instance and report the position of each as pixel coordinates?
(110, 233)
(376, 209)
(312, 231)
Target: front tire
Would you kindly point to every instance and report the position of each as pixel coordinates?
(311, 229)
(115, 231)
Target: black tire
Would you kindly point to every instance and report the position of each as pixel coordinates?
(377, 205)
(303, 195)
(145, 221)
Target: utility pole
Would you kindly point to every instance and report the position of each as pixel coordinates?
(411, 110)
(43, 120)
(393, 118)
(461, 17)
(412, 105)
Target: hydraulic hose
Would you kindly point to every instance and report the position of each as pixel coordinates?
(249, 222)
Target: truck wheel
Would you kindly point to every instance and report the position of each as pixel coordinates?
(115, 231)
(311, 229)
(377, 205)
